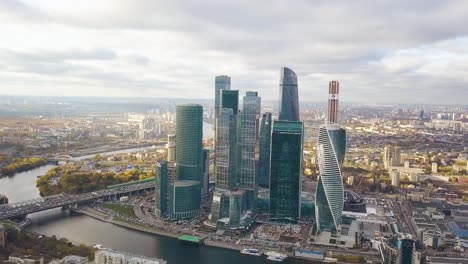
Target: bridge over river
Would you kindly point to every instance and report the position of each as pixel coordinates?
(23, 208)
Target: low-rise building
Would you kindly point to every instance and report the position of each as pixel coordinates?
(110, 256)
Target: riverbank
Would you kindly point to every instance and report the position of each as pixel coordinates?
(91, 212)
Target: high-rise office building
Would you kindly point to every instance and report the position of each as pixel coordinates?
(226, 150)
(329, 195)
(331, 149)
(171, 148)
(289, 98)
(230, 100)
(189, 134)
(248, 141)
(185, 191)
(161, 189)
(235, 161)
(264, 150)
(286, 171)
(222, 82)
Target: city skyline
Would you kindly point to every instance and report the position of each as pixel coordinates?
(176, 48)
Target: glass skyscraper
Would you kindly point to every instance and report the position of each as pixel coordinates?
(226, 150)
(189, 133)
(247, 141)
(185, 192)
(286, 171)
(331, 149)
(236, 134)
(264, 147)
(222, 82)
(289, 98)
(230, 99)
(161, 189)
(329, 196)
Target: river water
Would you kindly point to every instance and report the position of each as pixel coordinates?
(83, 229)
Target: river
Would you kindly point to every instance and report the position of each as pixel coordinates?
(83, 229)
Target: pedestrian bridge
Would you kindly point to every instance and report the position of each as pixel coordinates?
(23, 208)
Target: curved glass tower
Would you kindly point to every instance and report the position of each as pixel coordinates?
(189, 131)
(329, 196)
(289, 98)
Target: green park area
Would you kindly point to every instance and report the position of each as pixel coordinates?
(123, 209)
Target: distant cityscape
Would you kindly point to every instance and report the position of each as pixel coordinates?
(355, 183)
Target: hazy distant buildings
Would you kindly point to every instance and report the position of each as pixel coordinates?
(392, 156)
(331, 149)
(264, 150)
(289, 98)
(286, 171)
(395, 174)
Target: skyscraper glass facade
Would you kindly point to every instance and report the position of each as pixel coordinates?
(247, 141)
(264, 150)
(289, 98)
(286, 171)
(161, 189)
(222, 82)
(189, 131)
(226, 150)
(184, 199)
(329, 195)
(230, 99)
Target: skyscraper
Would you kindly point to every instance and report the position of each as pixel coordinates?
(189, 133)
(264, 147)
(185, 191)
(226, 150)
(289, 98)
(233, 198)
(247, 141)
(329, 196)
(222, 82)
(331, 149)
(230, 99)
(286, 171)
(161, 189)
(333, 94)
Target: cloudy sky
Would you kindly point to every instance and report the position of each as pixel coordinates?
(383, 51)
